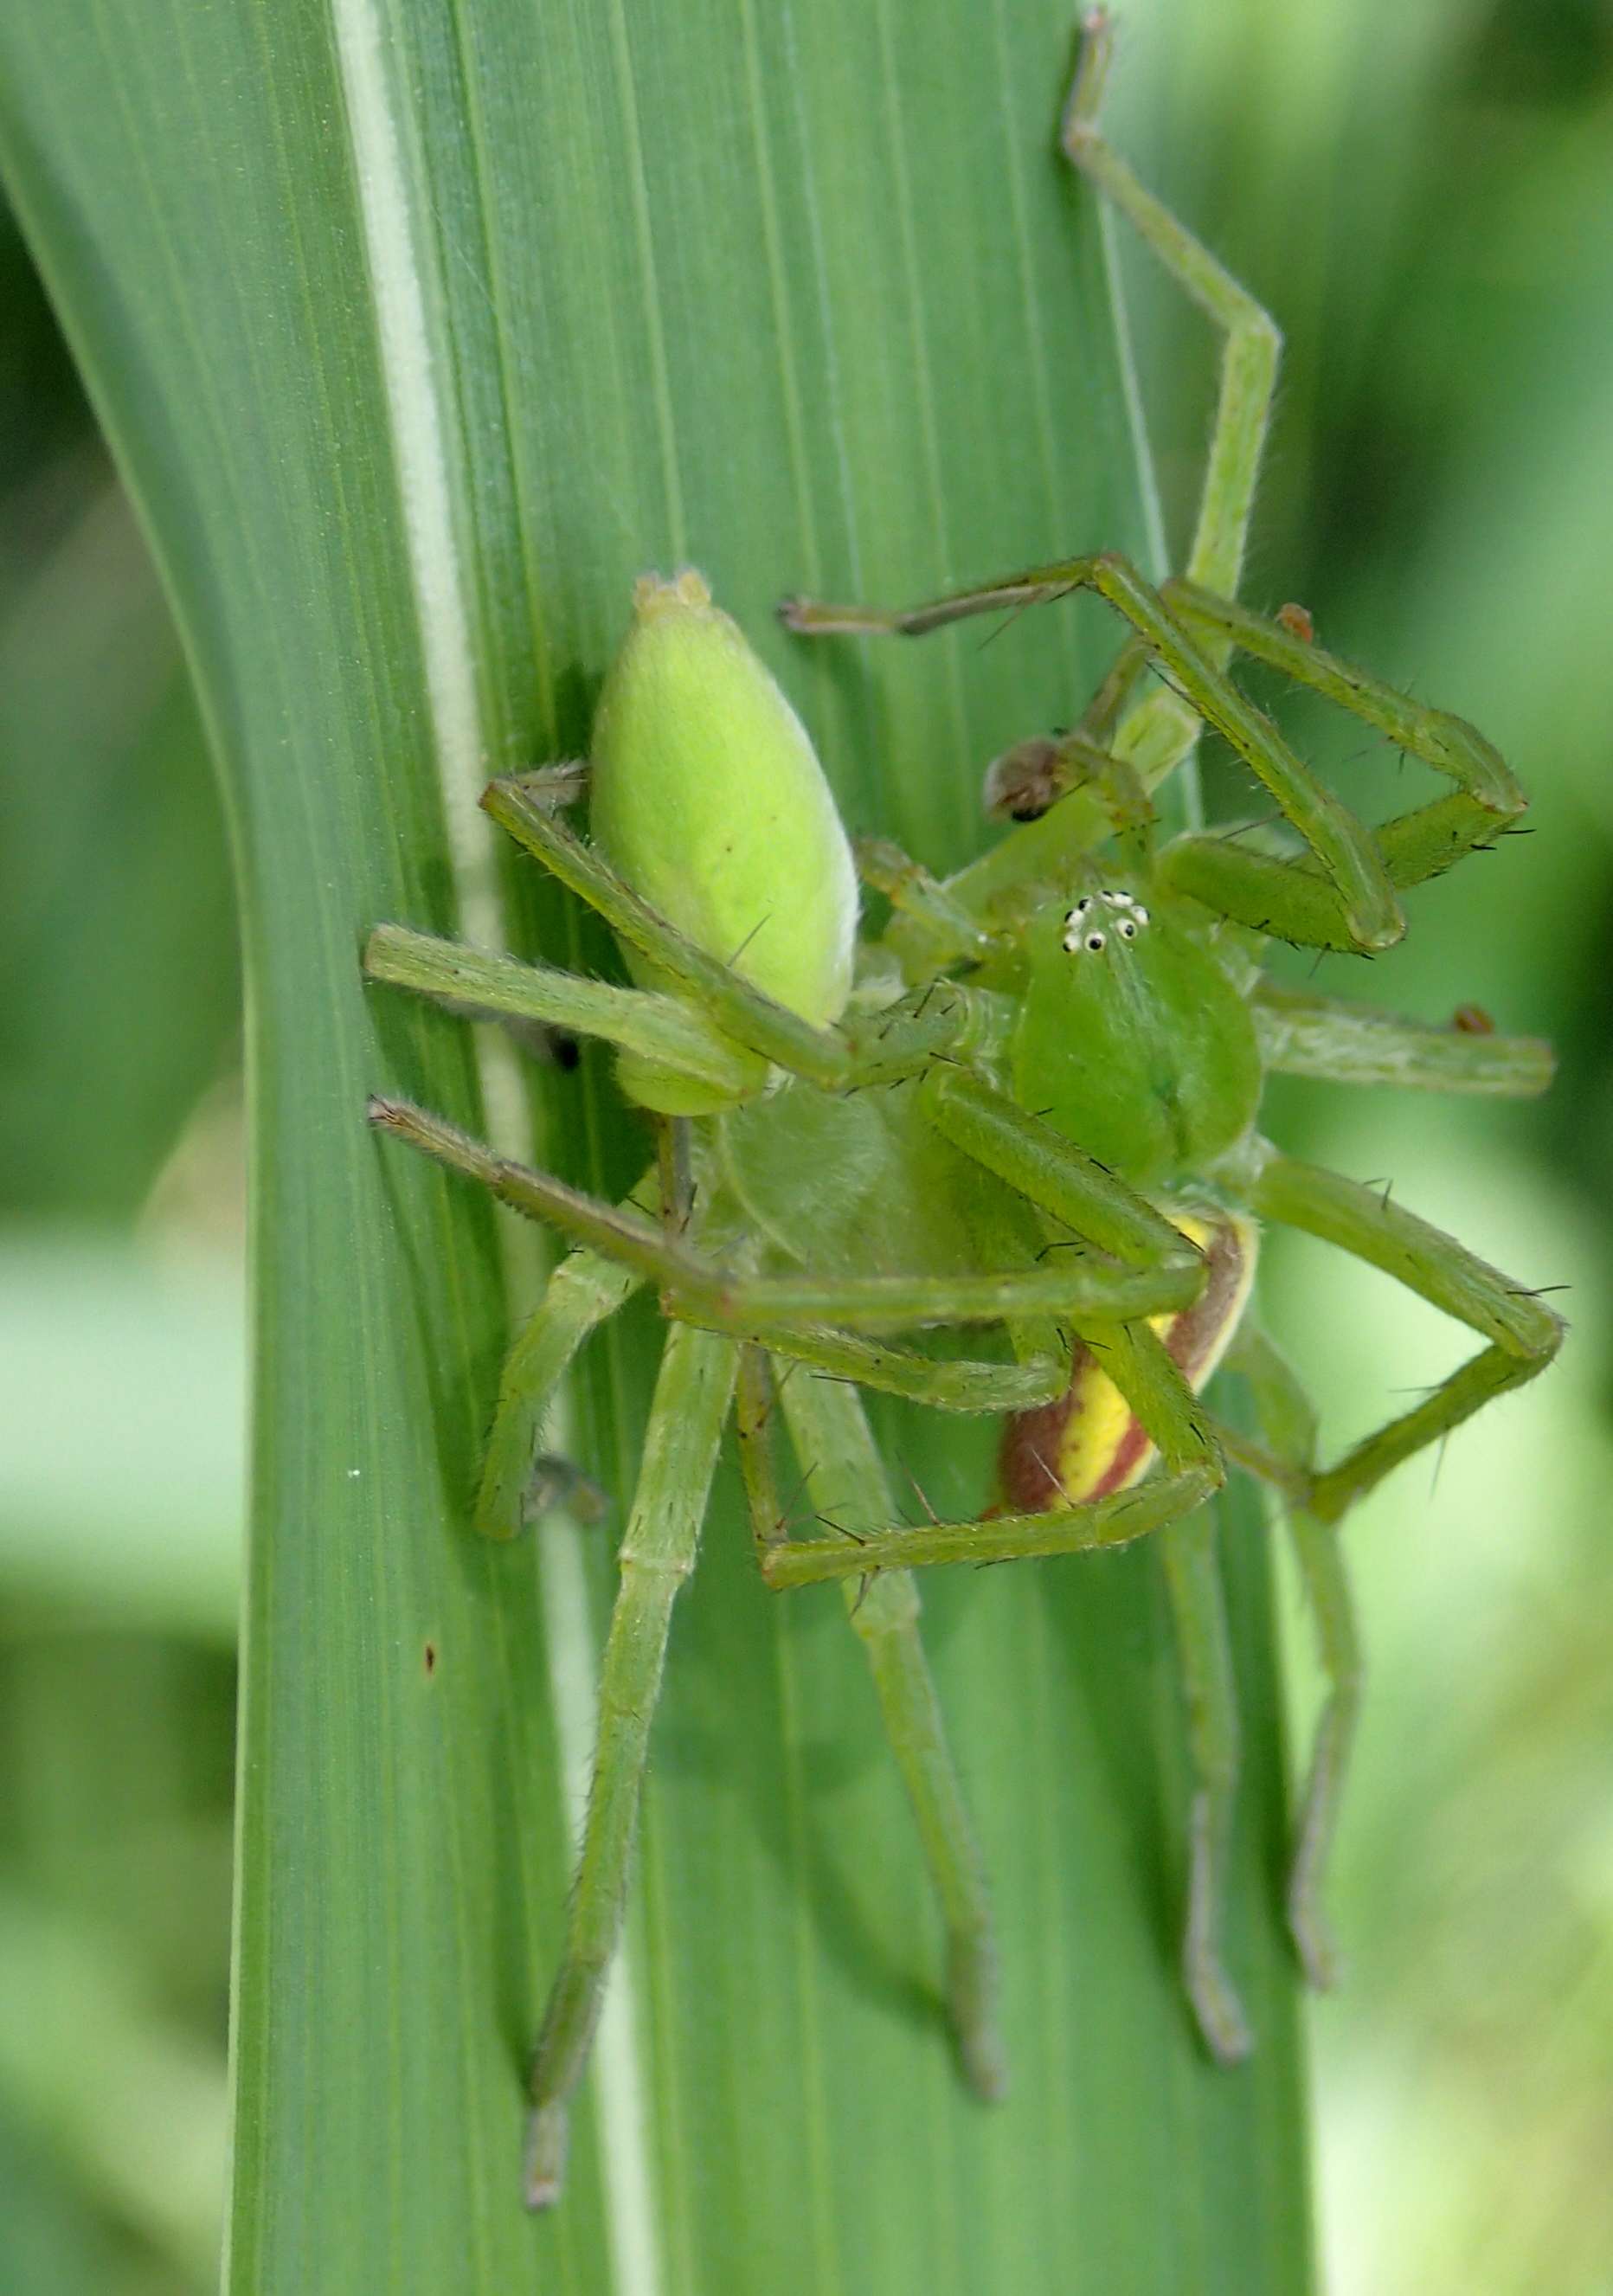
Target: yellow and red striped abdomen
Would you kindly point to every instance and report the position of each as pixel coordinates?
(1087, 1444)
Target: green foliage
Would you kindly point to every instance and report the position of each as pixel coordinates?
(1419, 191)
(406, 421)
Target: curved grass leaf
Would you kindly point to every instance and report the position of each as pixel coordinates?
(419, 331)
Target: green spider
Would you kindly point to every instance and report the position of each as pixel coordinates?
(1071, 1037)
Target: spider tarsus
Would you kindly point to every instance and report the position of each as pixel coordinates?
(1220, 2014)
(552, 786)
(1320, 1956)
(548, 2142)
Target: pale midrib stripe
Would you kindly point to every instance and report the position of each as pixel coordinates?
(620, 2088)
(419, 436)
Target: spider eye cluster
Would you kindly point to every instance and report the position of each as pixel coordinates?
(1084, 926)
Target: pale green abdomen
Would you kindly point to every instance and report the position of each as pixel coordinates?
(708, 797)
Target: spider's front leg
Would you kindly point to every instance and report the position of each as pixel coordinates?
(1204, 1647)
(1351, 862)
(1252, 346)
(1292, 897)
(1159, 732)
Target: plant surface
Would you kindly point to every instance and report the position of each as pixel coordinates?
(1028, 1105)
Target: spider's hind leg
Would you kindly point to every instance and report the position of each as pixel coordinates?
(838, 1458)
(517, 1479)
(1289, 1425)
(1204, 1647)
(658, 1552)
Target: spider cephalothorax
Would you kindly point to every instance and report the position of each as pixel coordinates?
(1133, 1030)
(1061, 1170)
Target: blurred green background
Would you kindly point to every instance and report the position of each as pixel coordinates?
(1423, 194)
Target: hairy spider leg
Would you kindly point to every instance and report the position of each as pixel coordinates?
(1159, 732)
(1141, 1366)
(1252, 342)
(1306, 901)
(1262, 890)
(840, 1465)
(660, 1028)
(719, 1035)
(1341, 843)
(1080, 1530)
(1524, 1335)
(779, 1312)
(863, 1049)
(583, 1291)
(1344, 1043)
(941, 932)
(1292, 899)
(1171, 1502)
(658, 1552)
(1151, 1267)
(1288, 1423)
(1192, 1579)
(1437, 737)
(702, 1289)
(1338, 1041)
(1191, 1469)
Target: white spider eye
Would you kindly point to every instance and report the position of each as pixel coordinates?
(1128, 929)
(1094, 941)
(1139, 914)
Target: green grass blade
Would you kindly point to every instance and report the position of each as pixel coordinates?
(419, 333)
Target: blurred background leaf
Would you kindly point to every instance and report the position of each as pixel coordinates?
(1419, 190)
